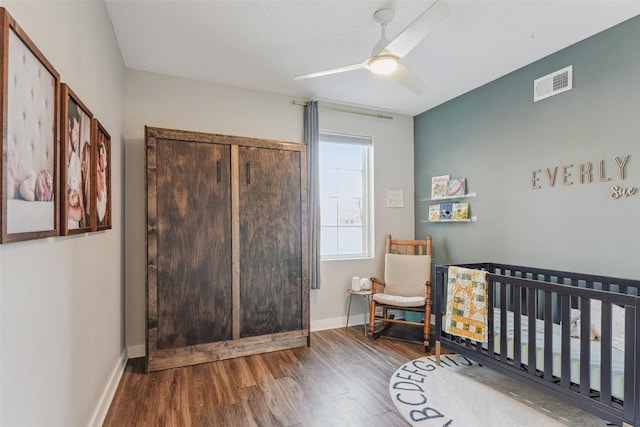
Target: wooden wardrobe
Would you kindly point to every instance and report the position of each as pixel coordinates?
(227, 263)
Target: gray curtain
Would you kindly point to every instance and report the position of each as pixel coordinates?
(312, 139)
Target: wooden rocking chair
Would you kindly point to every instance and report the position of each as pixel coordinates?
(406, 286)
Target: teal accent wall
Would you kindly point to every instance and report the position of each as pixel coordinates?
(495, 136)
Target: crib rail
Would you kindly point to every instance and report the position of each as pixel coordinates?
(547, 297)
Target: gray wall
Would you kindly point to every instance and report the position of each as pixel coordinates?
(495, 136)
(62, 299)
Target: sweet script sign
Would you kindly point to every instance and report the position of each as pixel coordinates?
(583, 173)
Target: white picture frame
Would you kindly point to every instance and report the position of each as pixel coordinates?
(395, 198)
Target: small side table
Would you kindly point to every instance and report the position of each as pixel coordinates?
(366, 294)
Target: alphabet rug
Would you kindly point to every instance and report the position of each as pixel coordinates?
(461, 392)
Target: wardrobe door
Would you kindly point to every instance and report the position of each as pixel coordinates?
(194, 259)
(270, 241)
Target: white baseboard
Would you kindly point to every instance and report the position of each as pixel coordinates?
(354, 320)
(134, 351)
(340, 322)
(321, 325)
(337, 322)
(101, 410)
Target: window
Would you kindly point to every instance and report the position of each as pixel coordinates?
(345, 195)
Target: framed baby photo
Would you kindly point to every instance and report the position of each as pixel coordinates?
(29, 109)
(76, 188)
(102, 176)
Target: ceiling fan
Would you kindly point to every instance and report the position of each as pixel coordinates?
(386, 55)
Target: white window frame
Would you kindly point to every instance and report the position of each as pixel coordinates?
(367, 191)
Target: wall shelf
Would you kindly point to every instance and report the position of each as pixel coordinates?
(473, 219)
(449, 199)
(466, 196)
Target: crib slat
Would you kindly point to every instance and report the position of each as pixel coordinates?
(605, 352)
(565, 346)
(491, 328)
(548, 337)
(517, 326)
(633, 328)
(585, 345)
(503, 322)
(440, 303)
(531, 368)
(631, 324)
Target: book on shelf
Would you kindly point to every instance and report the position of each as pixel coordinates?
(456, 187)
(460, 211)
(445, 211)
(439, 186)
(434, 213)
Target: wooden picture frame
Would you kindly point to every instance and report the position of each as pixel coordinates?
(76, 190)
(101, 176)
(29, 110)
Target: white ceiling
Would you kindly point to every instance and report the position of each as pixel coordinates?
(263, 44)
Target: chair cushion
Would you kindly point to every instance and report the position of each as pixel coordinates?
(398, 300)
(406, 275)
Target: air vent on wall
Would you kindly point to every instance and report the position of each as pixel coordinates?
(553, 84)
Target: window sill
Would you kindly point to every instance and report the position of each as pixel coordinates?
(348, 258)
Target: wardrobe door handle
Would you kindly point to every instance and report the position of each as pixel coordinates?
(248, 171)
(219, 170)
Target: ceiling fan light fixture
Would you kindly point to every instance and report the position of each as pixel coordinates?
(383, 64)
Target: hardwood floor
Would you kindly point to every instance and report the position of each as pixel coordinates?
(341, 380)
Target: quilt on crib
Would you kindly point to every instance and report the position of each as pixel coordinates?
(467, 304)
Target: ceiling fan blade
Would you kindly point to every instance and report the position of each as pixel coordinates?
(332, 71)
(403, 76)
(418, 29)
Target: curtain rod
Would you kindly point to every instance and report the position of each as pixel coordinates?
(344, 110)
